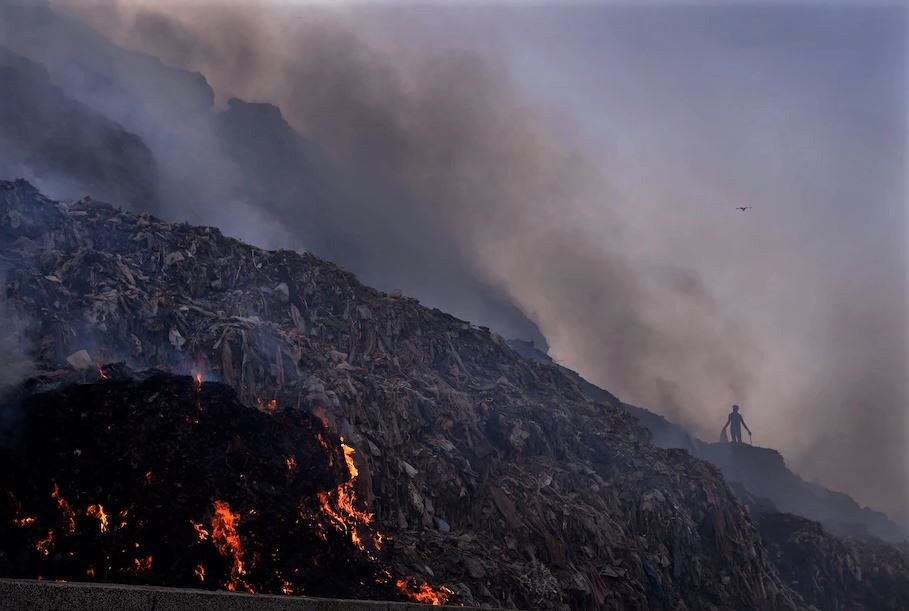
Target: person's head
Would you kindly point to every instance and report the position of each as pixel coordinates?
(735, 408)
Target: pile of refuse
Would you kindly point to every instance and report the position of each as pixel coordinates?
(154, 478)
(487, 473)
(832, 573)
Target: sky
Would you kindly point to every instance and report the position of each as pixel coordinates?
(587, 161)
(800, 113)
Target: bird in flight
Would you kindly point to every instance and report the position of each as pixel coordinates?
(743, 208)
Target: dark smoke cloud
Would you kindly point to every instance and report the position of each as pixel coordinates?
(423, 165)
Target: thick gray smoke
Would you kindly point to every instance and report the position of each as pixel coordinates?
(423, 165)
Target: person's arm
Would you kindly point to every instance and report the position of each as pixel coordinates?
(746, 426)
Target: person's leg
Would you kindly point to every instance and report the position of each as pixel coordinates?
(737, 435)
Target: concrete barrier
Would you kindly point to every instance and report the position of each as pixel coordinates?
(28, 595)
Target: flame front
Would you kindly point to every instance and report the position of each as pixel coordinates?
(225, 537)
(340, 505)
(43, 545)
(97, 511)
(424, 593)
(65, 508)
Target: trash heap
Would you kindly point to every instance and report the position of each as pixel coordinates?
(836, 574)
(484, 471)
(156, 478)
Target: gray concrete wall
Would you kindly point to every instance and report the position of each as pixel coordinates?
(27, 595)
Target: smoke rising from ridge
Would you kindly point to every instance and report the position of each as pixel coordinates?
(425, 166)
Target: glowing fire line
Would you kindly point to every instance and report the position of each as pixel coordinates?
(97, 511)
(65, 508)
(424, 593)
(340, 505)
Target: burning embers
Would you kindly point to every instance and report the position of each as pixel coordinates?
(224, 535)
(423, 592)
(244, 500)
(97, 511)
(340, 506)
(268, 407)
(65, 508)
(44, 544)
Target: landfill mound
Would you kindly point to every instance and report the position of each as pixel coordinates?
(488, 472)
(761, 471)
(836, 574)
(764, 473)
(169, 480)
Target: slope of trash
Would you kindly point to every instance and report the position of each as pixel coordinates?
(836, 574)
(762, 471)
(488, 472)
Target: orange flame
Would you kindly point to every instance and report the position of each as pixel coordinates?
(43, 545)
(142, 564)
(225, 537)
(197, 380)
(103, 374)
(424, 593)
(291, 462)
(65, 508)
(123, 513)
(200, 531)
(22, 522)
(330, 450)
(200, 572)
(348, 457)
(90, 571)
(287, 588)
(97, 511)
(267, 406)
(340, 505)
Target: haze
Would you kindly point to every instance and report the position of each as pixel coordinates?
(578, 169)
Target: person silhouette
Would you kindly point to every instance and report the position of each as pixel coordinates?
(735, 422)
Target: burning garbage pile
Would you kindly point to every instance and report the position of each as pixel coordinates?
(476, 469)
(356, 444)
(157, 479)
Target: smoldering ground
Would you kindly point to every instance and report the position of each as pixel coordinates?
(423, 164)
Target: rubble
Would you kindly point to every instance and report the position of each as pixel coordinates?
(548, 500)
(836, 574)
